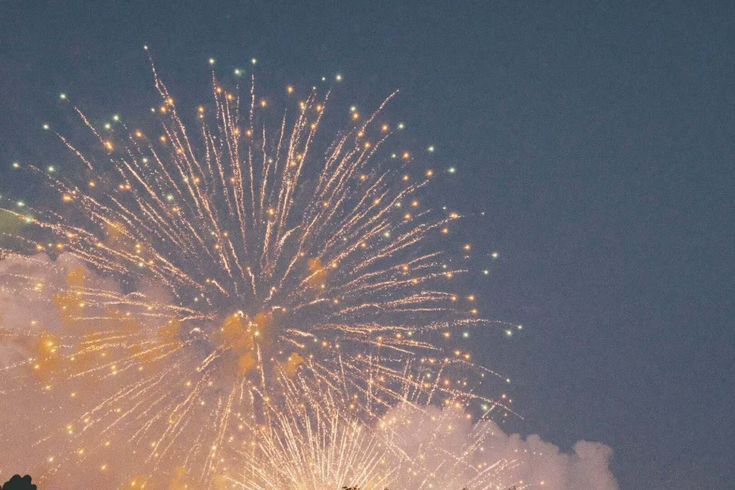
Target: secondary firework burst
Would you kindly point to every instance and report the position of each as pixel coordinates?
(313, 443)
(197, 271)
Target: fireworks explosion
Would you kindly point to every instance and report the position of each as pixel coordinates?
(238, 302)
(411, 446)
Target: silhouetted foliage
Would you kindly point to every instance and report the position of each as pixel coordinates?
(19, 483)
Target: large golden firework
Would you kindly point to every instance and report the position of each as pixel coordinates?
(187, 286)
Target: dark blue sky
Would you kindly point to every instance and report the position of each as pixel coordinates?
(599, 137)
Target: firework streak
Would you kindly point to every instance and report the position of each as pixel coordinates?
(237, 293)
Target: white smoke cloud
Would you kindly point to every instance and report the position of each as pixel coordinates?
(34, 291)
(24, 309)
(430, 447)
(446, 449)
(28, 286)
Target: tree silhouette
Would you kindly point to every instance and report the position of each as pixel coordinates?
(19, 483)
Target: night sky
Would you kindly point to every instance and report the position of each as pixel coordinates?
(598, 138)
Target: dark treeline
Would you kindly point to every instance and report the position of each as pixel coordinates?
(19, 483)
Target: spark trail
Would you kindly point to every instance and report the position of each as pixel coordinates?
(195, 276)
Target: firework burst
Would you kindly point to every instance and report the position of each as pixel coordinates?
(313, 443)
(202, 278)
